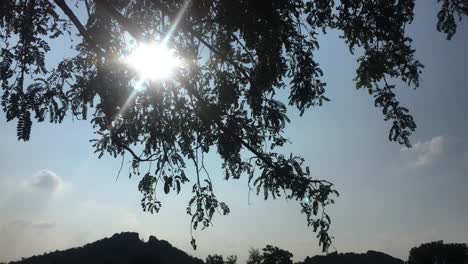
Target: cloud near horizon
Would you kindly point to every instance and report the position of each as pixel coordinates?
(46, 180)
(427, 152)
(24, 224)
(31, 214)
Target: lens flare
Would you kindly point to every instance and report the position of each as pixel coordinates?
(153, 61)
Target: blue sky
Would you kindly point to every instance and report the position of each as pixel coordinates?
(55, 193)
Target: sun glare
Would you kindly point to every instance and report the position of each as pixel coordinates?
(153, 62)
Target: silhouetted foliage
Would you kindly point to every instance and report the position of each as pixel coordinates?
(128, 248)
(437, 252)
(231, 259)
(370, 257)
(451, 11)
(214, 259)
(238, 54)
(218, 259)
(254, 256)
(120, 248)
(275, 255)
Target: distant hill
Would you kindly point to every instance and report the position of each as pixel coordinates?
(370, 257)
(123, 248)
(127, 248)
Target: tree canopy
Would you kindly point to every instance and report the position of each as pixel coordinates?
(270, 255)
(218, 259)
(254, 256)
(214, 259)
(237, 54)
(438, 252)
(275, 255)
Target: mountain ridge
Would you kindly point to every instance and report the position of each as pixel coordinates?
(128, 248)
(125, 247)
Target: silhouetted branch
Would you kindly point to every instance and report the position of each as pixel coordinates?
(74, 19)
(81, 29)
(128, 26)
(84, 33)
(120, 169)
(88, 9)
(133, 30)
(134, 155)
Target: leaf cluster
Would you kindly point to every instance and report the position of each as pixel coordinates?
(238, 55)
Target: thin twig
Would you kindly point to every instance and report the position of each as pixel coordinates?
(121, 166)
(83, 32)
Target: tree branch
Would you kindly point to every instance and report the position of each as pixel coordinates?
(135, 32)
(200, 38)
(88, 9)
(123, 21)
(84, 33)
(127, 148)
(81, 29)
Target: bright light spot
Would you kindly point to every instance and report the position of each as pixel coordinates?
(307, 200)
(153, 62)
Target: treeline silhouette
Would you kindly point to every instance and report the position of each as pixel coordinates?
(128, 248)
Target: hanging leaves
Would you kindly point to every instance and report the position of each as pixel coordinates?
(24, 126)
(238, 55)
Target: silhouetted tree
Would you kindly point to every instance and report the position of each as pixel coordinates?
(238, 54)
(370, 257)
(439, 253)
(254, 256)
(275, 255)
(214, 259)
(232, 259)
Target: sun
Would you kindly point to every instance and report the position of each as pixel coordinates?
(153, 61)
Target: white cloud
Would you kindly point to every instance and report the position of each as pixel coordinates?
(43, 225)
(425, 153)
(24, 238)
(25, 224)
(46, 180)
(33, 197)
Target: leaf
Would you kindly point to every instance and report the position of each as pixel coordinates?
(166, 187)
(178, 186)
(24, 126)
(193, 243)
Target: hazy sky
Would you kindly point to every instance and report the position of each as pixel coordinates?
(55, 193)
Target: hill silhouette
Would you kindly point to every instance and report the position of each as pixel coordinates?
(128, 248)
(370, 257)
(123, 248)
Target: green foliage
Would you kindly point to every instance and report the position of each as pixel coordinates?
(239, 54)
